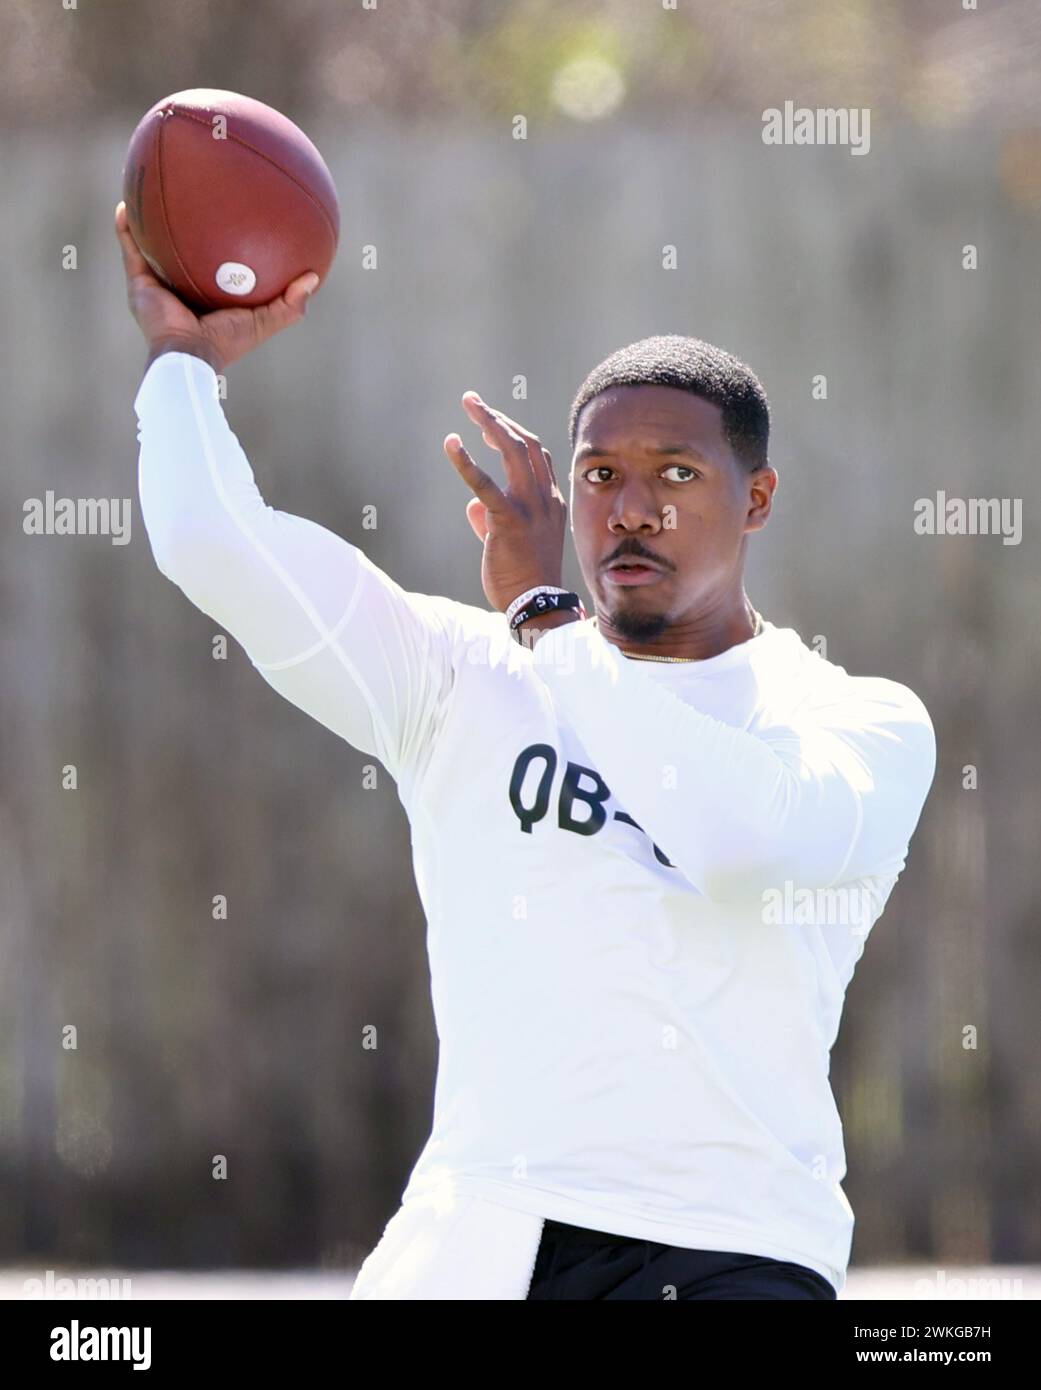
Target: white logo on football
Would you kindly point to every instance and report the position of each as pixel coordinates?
(234, 278)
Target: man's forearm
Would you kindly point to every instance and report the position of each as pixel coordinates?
(323, 625)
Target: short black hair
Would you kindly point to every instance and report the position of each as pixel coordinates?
(670, 359)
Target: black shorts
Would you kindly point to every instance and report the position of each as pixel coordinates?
(573, 1262)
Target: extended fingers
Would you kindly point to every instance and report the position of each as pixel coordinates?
(507, 435)
(475, 478)
(497, 428)
(541, 458)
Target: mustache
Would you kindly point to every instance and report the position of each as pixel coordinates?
(636, 554)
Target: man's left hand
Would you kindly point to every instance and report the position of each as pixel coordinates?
(521, 529)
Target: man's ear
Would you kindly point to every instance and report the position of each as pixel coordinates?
(762, 485)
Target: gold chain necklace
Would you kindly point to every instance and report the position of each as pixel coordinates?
(757, 627)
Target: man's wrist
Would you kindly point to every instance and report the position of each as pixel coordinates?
(529, 632)
(195, 347)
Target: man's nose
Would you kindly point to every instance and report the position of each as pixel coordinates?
(635, 508)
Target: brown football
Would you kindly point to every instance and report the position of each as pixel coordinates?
(228, 200)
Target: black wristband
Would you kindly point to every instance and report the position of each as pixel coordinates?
(542, 604)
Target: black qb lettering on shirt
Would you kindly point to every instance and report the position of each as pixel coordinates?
(571, 791)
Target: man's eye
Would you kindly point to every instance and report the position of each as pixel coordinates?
(672, 468)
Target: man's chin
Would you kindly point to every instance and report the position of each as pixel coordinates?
(633, 626)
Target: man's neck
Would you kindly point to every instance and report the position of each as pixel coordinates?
(695, 639)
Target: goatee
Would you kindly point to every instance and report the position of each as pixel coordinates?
(638, 627)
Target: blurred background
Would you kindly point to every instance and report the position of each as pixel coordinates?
(501, 259)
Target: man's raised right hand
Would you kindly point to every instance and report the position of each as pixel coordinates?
(220, 337)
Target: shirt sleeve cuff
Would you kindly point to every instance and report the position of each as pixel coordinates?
(160, 373)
